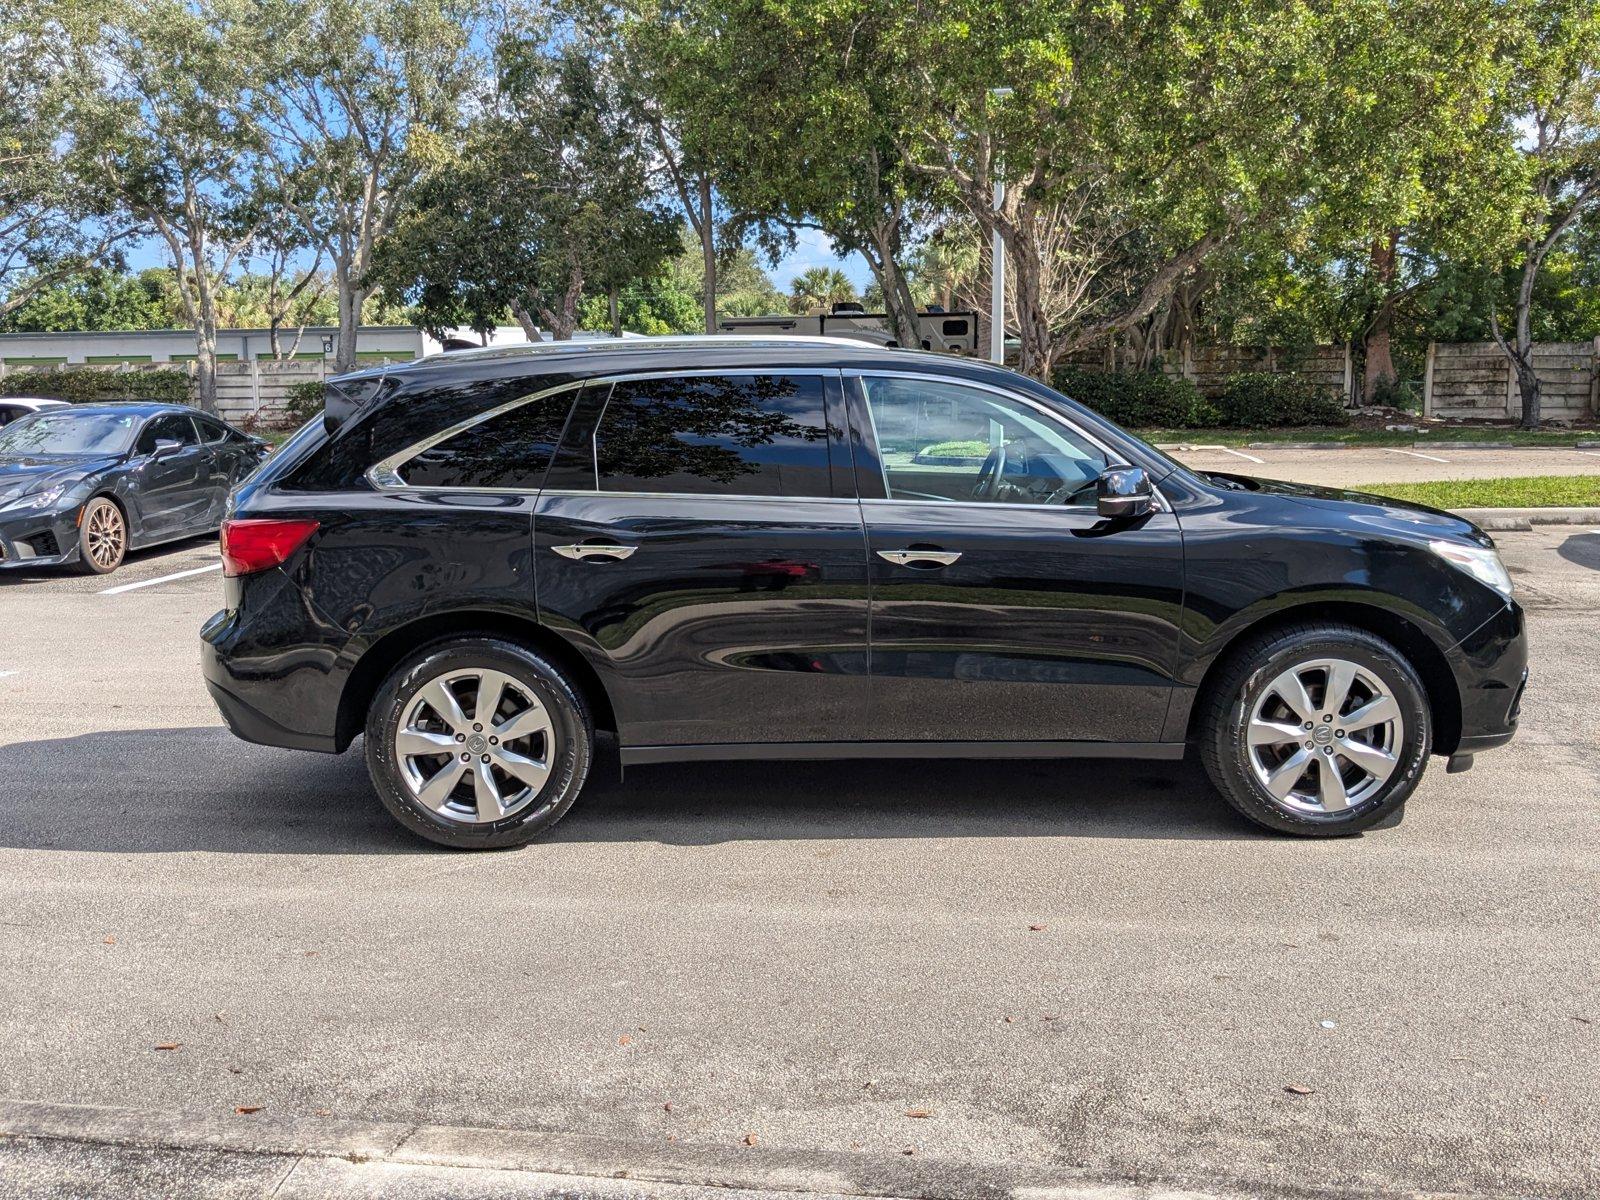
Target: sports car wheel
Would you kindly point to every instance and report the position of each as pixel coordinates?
(102, 537)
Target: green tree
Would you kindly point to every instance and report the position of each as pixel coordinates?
(171, 131)
(550, 200)
(99, 298)
(370, 96)
(818, 289)
(1554, 103)
(51, 225)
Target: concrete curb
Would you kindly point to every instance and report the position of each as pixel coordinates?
(752, 1168)
(1521, 520)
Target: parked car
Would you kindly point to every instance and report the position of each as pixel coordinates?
(12, 407)
(719, 548)
(83, 484)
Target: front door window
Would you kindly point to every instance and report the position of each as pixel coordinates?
(946, 442)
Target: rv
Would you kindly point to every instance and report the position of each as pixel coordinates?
(951, 332)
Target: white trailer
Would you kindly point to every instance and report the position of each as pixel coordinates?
(948, 332)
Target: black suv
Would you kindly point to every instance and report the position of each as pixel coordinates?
(767, 548)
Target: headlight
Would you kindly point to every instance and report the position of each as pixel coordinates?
(42, 499)
(1482, 563)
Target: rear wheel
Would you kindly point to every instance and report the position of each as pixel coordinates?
(102, 537)
(478, 744)
(1320, 731)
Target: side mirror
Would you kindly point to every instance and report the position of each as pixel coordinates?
(1123, 492)
(166, 448)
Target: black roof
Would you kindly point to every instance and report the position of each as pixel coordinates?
(140, 408)
(702, 351)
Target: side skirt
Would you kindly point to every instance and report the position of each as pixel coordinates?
(757, 751)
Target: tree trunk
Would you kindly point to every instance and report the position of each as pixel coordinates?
(708, 252)
(348, 299)
(530, 327)
(883, 256)
(615, 309)
(1379, 373)
(205, 363)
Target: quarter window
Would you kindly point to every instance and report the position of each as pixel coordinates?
(511, 450)
(944, 441)
(759, 435)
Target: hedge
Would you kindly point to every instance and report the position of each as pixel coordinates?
(1258, 399)
(88, 384)
(304, 401)
(1253, 400)
(1139, 398)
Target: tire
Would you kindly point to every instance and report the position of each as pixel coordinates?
(102, 537)
(454, 810)
(1255, 697)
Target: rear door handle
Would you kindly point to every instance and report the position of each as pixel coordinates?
(905, 558)
(582, 550)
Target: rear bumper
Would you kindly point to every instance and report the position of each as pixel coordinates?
(273, 683)
(1491, 670)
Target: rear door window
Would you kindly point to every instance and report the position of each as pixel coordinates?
(744, 435)
(510, 450)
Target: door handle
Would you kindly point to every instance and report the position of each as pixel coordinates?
(905, 558)
(583, 550)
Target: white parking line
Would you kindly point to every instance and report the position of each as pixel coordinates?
(144, 583)
(1235, 453)
(1414, 454)
(9, 674)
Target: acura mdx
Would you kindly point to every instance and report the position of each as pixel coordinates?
(779, 548)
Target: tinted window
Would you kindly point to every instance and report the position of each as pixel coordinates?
(759, 435)
(211, 431)
(7, 412)
(955, 329)
(943, 441)
(507, 451)
(171, 428)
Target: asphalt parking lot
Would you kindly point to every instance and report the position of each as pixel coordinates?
(1077, 966)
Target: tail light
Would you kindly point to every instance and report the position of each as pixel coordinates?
(255, 545)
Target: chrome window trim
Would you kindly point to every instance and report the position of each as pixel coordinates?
(384, 474)
(744, 497)
(1113, 459)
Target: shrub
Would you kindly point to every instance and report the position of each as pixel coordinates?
(1138, 398)
(87, 384)
(304, 401)
(1258, 399)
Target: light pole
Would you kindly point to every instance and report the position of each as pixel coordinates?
(997, 262)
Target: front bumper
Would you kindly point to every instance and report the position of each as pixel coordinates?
(1491, 669)
(38, 538)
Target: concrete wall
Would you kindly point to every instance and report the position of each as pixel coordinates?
(1473, 379)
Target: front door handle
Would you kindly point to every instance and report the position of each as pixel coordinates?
(905, 558)
(582, 550)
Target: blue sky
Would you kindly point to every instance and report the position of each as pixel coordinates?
(812, 249)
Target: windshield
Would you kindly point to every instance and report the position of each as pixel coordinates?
(69, 433)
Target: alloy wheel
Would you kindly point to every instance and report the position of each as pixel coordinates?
(475, 746)
(105, 535)
(1324, 736)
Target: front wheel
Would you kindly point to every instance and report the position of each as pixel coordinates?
(478, 744)
(102, 537)
(1317, 730)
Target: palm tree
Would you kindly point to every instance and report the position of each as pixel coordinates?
(819, 289)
